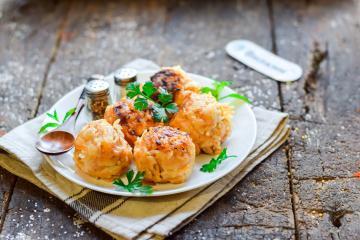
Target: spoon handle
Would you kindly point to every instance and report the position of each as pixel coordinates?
(69, 125)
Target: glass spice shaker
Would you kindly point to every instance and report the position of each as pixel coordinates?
(122, 78)
(95, 77)
(97, 97)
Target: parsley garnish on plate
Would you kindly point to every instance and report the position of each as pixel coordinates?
(217, 89)
(214, 162)
(57, 122)
(134, 183)
(162, 104)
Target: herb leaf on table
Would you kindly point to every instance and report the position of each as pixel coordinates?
(162, 102)
(217, 89)
(214, 162)
(134, 183)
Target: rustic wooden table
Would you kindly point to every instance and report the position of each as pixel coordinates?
(306, 190)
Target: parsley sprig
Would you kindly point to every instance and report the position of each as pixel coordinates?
(134, 183)
(214, 162)
(57, 122)
(162, 102)
(217, 89)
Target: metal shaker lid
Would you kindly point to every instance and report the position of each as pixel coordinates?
(96, 77)
(124, 76)
(97, 87)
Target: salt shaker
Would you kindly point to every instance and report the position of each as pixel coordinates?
(122, 78)
(96, 77)
(97, 97)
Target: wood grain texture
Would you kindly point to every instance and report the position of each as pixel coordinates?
(34, 214)
(99, 37)
(196, 33)
(91, 41)
(25, 53)
(27, 38)
(259, 207)
(324, 149)
(196, 41)
(56, 45)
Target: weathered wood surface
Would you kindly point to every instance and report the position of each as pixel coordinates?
(25, 53)
(325, 149)
(304, 190)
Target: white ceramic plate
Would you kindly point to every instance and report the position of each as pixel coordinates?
(239, 143)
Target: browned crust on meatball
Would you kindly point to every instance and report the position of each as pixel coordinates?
(132, 121)
(165, 154)
(167, 79)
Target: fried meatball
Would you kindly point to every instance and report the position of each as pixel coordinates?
(132, 121)
(165, 154)
(207, 121)
(175, 81)
(101, 150)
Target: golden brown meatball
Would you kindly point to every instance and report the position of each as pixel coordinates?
(132, 121)
(175, 81)
(101, 150)
(165, 154)
(207, 121)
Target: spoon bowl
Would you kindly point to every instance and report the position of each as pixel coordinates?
(56, 142)
(62, 138)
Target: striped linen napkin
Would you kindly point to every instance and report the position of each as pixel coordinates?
(128, 217)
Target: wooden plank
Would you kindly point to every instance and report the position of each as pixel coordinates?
(99, 37)
(27, 39)
(196, 33)
(92, 41)
(34, 214)
(324, 150)
(7, 182)
(28, 31)
(258, 207)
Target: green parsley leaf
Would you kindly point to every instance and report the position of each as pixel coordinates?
(162, 103)
(238, 96)
(217, 89)
(159, 113)
(165, 97)
(68, 114)
(221, 85)
(53, 116)
(171, 108)
(133, 89)
(214, 162)
(206, 90)
(140, 103)
(149, 89)
(134, 183)
(44, 128)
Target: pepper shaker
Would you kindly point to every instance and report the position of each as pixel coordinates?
(95, 77)
(98, 97)
(122, 78)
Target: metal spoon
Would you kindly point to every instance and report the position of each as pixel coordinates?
(61, 139)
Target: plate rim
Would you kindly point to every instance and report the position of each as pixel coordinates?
(94, 187)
